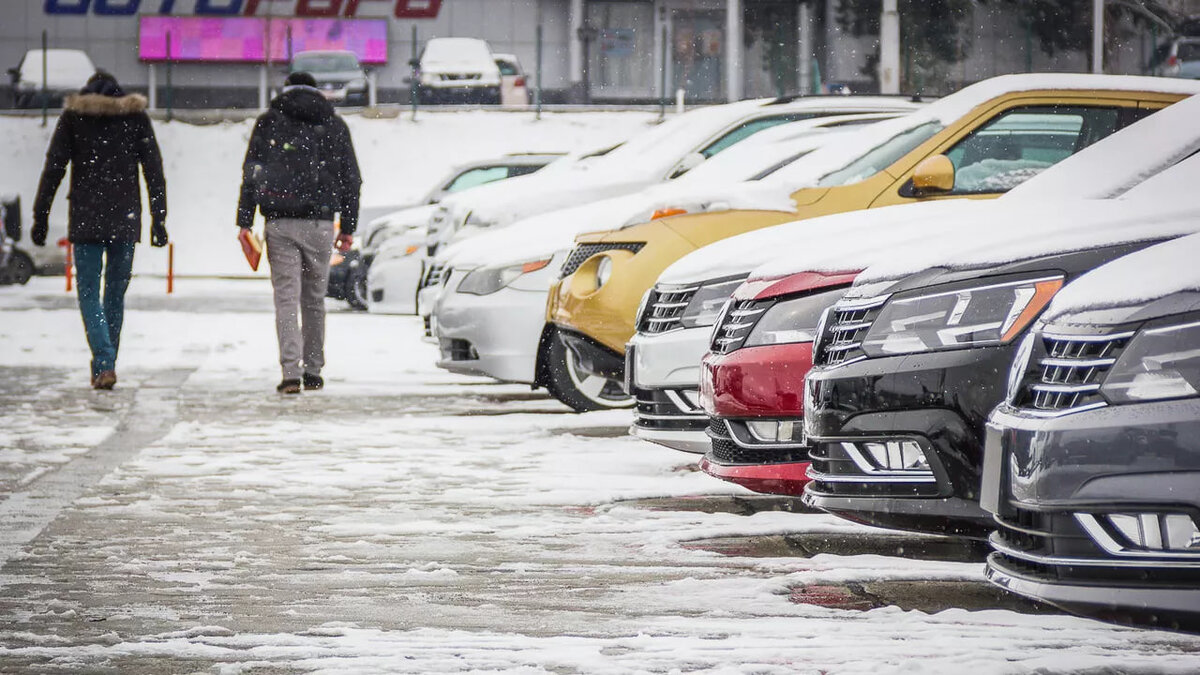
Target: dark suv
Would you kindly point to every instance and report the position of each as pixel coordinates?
(1092, 464)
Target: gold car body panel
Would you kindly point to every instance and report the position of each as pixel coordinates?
(608, 314)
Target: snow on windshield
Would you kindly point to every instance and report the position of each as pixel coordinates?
(1146, 275)
(456, 51)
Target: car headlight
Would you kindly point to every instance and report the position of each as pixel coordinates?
(488, 280)
(1158, 363)
(791, 321)
(977, 316)
(603, 271)
(707, 302)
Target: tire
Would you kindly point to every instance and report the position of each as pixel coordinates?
(579, 390)
(19, 269)
(356, 289)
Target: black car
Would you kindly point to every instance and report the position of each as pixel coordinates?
(903, 382)
(1092, 464)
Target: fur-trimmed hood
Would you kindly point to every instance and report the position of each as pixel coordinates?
(99, 104)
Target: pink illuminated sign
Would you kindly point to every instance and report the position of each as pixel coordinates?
(245, 39)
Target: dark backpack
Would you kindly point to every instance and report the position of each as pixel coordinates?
(292, 177)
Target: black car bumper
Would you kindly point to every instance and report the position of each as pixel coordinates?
(935, 403)
(1058, 483)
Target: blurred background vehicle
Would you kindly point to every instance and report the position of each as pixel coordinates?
(338, 73)
(1179, 57)
(457, 70)
(16, 267)
(65, 70)
(392, 289)
(514, 89)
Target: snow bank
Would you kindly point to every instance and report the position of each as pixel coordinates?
(1149, 274)
(399, 159)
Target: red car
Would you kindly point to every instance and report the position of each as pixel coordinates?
(752, 380)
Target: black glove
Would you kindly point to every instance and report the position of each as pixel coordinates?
(158, 234)
(38, 234)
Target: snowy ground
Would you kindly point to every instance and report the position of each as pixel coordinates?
(407, 520)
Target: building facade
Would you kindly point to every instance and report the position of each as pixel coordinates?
(598, 51)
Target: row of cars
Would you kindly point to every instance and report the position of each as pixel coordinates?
(855, 320)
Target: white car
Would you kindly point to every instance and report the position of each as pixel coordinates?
(67, 70)
(666, 151)
(490, 314)
(514, 87)
(394, 269)
(665, 366)
(458, 70)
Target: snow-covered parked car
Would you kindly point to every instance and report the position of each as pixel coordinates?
(1096, 491)
(65, 72)
(350, 275)
(664, 366)
(910, 362)
(458, 70)
(514, 88)
(490, 312)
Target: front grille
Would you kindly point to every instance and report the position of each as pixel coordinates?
(584, 251)
(834, 472)
(736, 323)
(661, 409)
(664, 309)
(455, 349)
(434, 276)
(1066, 371)
(845, 326)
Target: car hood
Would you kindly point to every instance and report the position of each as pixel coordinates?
(339, 76)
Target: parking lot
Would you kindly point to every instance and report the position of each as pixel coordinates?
(408, 520)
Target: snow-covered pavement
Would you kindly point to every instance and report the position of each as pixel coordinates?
(408, 520)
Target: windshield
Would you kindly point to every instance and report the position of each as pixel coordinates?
(1188, 51)
(324, 63)
(881, 157)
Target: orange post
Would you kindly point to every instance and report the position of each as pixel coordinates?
(70, 267)
(170, 268)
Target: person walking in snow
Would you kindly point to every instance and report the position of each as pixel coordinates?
(105, 135)
(300, 172)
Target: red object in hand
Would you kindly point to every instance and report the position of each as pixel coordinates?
(344, 242)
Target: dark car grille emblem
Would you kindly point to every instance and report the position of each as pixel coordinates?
(844, 329)
(1068, 374)
(664, 309)
(736, 323)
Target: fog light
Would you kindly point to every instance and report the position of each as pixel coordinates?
(1134, 533)
(776, 431)
(891, 456)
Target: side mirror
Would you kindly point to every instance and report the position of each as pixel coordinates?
(933, 175)
(689, 162)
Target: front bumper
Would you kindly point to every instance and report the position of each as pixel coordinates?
(756, 383)
(492, 335)
(392, 284)
(661, 372)
(1042, 474)
(937, 402)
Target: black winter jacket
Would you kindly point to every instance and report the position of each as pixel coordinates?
(304, 109)
(104, 139)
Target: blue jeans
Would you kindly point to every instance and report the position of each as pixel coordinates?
(102, 317)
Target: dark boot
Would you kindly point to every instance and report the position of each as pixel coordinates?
(105, 380)
(289, 387)
(313, 382)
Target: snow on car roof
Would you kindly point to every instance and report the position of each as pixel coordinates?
(1023, 230)
(946, 110)
(65, 68)
(646, 158)
(1117, 163)
(455, 50)
(541, 235)
(1143, 276)
(1043, 227)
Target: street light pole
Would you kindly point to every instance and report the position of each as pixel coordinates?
(889, 48)
(1097, 36)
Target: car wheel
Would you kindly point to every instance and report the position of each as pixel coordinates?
(356, 289)
(19, 269)
(580, 390)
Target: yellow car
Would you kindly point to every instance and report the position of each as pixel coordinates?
(976, 143)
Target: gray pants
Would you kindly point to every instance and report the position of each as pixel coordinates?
(298, 251)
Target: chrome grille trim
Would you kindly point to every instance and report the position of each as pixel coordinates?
(1066, 372)
(736, 323)
(664, 307)
(845, 326)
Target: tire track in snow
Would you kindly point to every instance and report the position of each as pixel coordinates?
(155, 410)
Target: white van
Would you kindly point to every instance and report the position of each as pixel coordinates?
(67, 70)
